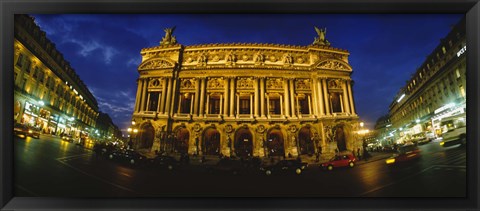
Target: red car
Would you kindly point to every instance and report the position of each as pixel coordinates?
(339, 161)
(405, 153)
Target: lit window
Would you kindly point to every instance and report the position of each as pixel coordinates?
(274, 106)
(444, 50)
(457, 71)
(214, 107)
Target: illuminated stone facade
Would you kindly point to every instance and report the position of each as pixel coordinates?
(436, 90)
(245, 99)
(48, 94)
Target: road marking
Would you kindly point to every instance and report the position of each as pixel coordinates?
(98, 178)
(73, 156)
(398, 181)
(436, 167)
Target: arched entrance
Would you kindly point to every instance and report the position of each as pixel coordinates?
(305, 141)
(243, 142)
(147, 135)
(340, 138)
(211, 142)
(181, 140)
(275, 143)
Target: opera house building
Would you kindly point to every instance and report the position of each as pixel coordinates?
(245, 99)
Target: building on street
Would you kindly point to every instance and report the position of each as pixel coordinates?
(245, 99)
(48, 94)
(436, 90)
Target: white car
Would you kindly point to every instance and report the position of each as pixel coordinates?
(455, 136)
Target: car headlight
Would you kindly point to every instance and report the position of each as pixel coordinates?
(390, 161)
(442, 143)
(30, 131)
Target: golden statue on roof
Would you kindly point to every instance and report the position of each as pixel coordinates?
(169, 39)
(320, 40)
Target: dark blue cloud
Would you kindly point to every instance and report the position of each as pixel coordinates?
(384, 49)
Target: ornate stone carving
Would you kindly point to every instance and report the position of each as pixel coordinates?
(334, 84)
(187, 83)
(333, 65)
(202, 60)
(300, 60)
(259, 58)
(216, 58)
(272, 58)
(274, 83)
(215, 83)
(245, 57)
(230, 58)
(156, 64)
(197, 127)
(292, 128)
(261, 129)
(244, 83)
(287, 59)
(229, 128)
(155, 83)
(302, 84)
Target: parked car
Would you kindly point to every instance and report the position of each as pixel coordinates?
(285, 166)
(164, 162)
(20, 130)
(34, 132)
(128, 157)
(68, 138)
(341, 160)
(406, 153)
(227, 165)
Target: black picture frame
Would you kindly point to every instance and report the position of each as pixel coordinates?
(8, 8)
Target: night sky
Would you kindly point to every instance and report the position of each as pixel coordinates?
(385, 50)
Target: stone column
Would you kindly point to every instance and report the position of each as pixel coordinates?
(197, 96)
(341, 103)
(286, 94)
(326, 97)
(208, 103)
(144, 91)
(232, 95)
(192, 102)
(139, 90)
(262, 96)
(268, 105)
(320, 98)
(292, 98)
(225, 92)
(148, 101)
(238, 105)
(349, 89)
(169, 96)
(256, 97)
(159, 101)
(345, 98)
(281, 105)
(163, 95)
(309, 105)
(314, 95)
(174, 90)
(221, 104)
(202, 97)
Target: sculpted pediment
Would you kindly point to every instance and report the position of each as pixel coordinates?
(331, 64)
(156, 63)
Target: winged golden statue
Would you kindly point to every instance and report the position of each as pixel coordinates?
(320, 40)
(168, 39)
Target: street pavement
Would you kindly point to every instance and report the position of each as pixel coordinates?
(51, 167)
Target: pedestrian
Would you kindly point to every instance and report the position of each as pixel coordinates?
(358, 154)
